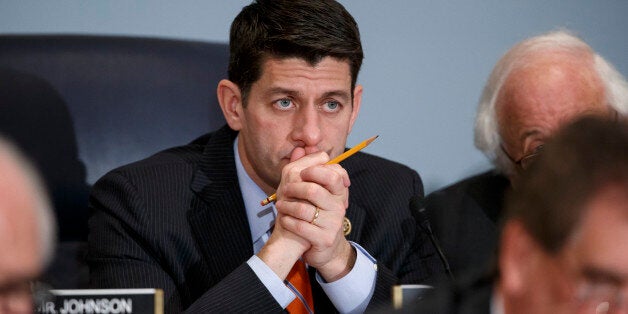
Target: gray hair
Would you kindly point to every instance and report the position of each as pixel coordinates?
(487, 137)
(43, 209)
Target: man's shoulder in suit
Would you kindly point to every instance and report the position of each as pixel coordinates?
(464, 217)
(485, 190)
(364, 166)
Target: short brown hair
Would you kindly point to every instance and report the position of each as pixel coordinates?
(310, 30)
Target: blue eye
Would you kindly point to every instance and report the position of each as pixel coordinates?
(331, 106)
(284, 103)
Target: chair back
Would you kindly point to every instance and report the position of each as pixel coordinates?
(80, 106)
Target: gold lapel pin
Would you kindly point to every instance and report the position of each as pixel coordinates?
(346, 226)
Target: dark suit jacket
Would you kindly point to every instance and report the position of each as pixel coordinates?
(176, 221)
(465, 217)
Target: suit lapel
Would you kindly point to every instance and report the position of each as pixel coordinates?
(217, 216)
(356, 215)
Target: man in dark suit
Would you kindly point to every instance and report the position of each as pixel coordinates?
(539, 85)
(188, 220)
(563, 248)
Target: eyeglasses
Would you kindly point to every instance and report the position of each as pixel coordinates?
(524, 162)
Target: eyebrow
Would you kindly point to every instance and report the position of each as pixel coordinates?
(337, 93)
(602, 275)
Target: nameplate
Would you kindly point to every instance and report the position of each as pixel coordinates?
(407, 294)
(103, 301)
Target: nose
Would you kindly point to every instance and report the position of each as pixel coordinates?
(307, 129)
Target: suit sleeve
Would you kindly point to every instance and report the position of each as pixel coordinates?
(128, 250)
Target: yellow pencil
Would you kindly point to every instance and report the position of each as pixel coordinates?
(336, 160)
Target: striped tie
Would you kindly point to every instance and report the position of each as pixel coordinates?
(299, 282)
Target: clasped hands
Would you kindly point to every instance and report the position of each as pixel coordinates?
(312, 199)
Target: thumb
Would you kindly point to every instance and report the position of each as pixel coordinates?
(297, 154)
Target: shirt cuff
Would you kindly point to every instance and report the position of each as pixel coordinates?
(352, 293)
(277, 288)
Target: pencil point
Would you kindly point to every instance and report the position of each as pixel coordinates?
(371, 139)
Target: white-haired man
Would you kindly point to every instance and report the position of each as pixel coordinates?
(538, 86)
(562, 247)
(27, 230)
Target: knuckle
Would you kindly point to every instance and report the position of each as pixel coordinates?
(344, 172)
(302, 210)
(311, 191)
(335, 177)
(300, 227)
(282, 189)
(328, 241)
(286, 170)
(342, 210)
(323, 156)
(289, 172)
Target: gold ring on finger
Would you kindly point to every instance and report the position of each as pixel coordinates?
(316, 213)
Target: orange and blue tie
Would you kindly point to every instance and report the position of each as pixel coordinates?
(299, 282)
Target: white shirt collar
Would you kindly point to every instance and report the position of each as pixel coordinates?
(261, 218)
(497, 302)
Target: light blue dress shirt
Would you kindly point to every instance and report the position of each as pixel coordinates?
(350, 294)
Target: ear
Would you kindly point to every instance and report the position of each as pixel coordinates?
(230, 100)
(519, 257)
(355, 108)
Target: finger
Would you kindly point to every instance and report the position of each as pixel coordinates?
(342, 172)
(299, 159)
(297, 154)
(323, 234)
(300, 210)
(317, 234)
(292, 171)
(313, 193)
(333, 177)
(328, 221)
(290, 240)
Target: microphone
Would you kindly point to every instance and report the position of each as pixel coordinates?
(417, 209)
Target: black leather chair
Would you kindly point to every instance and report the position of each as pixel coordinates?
(80, 106)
